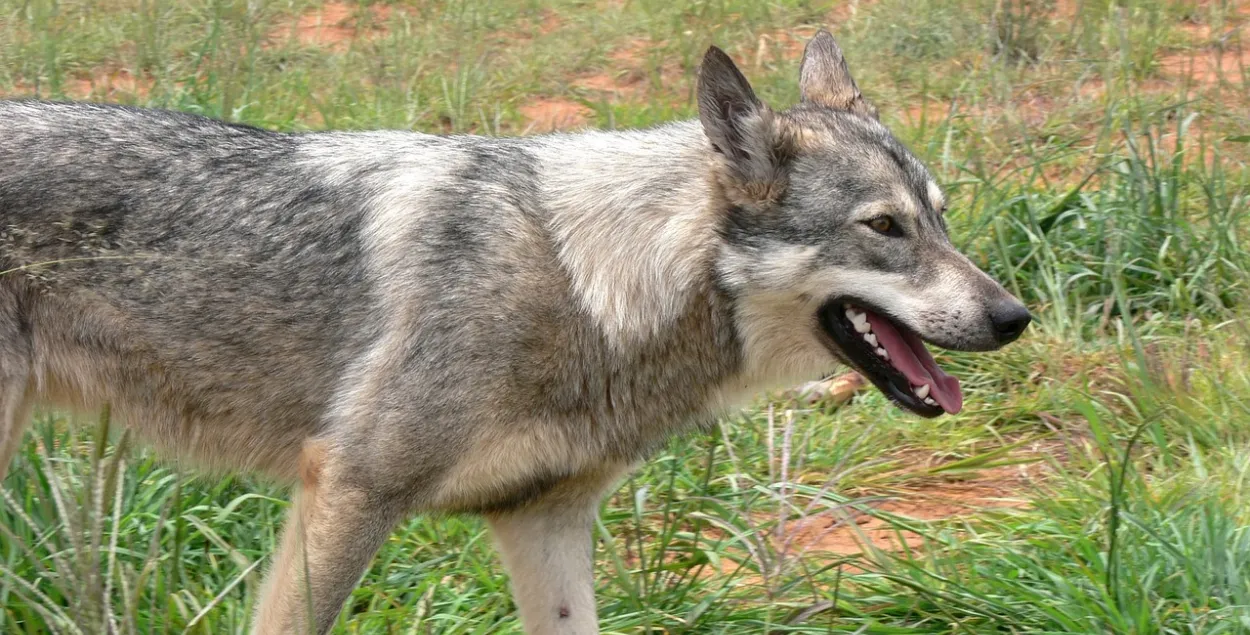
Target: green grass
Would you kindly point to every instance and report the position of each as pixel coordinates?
(1096, 163)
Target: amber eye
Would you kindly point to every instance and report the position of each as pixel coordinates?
(884, 225)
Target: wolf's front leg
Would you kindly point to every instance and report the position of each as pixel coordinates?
(548, 549)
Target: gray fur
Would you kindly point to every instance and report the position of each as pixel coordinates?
(400, 322)
(825, 78)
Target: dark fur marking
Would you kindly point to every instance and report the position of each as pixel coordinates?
(519, 495)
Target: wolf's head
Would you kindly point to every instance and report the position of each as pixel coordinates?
(835, 238)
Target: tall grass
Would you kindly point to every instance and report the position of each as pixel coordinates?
(1155, 214)
(94, 543)
(1115, 211)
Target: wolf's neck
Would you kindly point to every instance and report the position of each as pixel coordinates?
(634, 217)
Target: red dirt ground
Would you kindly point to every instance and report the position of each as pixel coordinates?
(553, 113)
(334, 26)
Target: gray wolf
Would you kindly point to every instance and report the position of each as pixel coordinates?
(398, 323)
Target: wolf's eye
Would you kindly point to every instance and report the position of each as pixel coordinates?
(885, 225)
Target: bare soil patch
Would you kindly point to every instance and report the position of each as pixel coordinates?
(334, 25)
(848, 532)
(551, 22)
(1216, 57)
(528, 29)
(626, 75)
(109, 85)
(553, 113)
(1209, 66)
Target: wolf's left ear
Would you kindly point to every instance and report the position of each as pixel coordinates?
(825, 79)
(741, 128)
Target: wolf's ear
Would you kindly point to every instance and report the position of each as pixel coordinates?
(740, 127)
(825, 79)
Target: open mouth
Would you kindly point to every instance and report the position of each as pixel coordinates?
(892, 357)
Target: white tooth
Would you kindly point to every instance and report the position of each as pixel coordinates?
(883, 353)
(870, 338)
(861, 325)
(930, 402)
(922, 391)
(851, 313)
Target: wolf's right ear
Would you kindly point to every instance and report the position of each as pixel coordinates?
(740, 127)
(825, 79)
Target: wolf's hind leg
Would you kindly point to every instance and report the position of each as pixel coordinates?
(15, 362)
(14, 416)
(332, 532)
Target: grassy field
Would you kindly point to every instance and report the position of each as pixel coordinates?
(1098, 482)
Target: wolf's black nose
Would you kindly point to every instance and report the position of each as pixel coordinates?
(1010, 318)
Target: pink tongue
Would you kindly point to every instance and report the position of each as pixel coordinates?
(910, 357)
